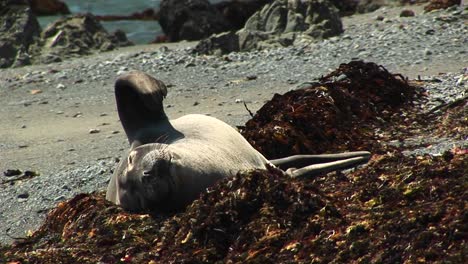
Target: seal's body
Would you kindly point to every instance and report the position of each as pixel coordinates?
(171, 162)
(207, 151)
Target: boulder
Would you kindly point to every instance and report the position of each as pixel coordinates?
(49, 7)
(23, 43)
(190, 19)
(345, 7)
(19, 29)
(237, 12)
(75, 36)
(281, 23)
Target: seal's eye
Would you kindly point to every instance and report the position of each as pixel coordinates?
(146, 178)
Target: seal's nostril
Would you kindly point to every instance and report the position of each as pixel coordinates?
(147, 173)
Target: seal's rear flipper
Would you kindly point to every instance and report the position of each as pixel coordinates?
(139, 99)
(309, 165)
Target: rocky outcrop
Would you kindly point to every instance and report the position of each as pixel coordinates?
(281, 23)
(23, 43)
(76, 36)
(49, 7)
(19, 29)
(190, 19)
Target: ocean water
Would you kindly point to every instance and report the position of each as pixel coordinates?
(140, 32)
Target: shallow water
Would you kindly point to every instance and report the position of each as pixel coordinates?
(140, 32)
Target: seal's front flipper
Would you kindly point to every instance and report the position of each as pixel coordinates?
(139, 99)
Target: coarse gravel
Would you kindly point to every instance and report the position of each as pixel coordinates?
(77, 95)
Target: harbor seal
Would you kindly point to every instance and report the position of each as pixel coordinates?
(170, 162)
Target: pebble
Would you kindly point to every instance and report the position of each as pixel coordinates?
(94, 130)
(23, 195)
(59, 198)
(60, 86)
(12, 172)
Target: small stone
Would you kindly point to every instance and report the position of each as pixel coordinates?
(103, 114)
(23, 146)
(407, 13)
(115, 132)
(23, 126)
(238, 101)
(60, 86)
(430, 32)
(79, 114)
(31, 173)
(23, 195)
(94, 130)
(59, 198)
(380, 18)
(13, 172)
(251, 77)
(36, 91)
(196, 103)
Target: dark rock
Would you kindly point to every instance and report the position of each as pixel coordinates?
(219, 44)
(366, 6)
(24, 195)
(280, 23)
(31, 173)
(13, 172)
(346, 7)
(190, 19)
(49, 7)
(407, 13)
(237, 12)
(19, 29)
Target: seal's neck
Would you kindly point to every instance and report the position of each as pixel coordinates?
(160, 132)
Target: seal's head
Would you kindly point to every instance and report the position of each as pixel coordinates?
(143, 179)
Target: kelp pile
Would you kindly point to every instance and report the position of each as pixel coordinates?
(440, 4)
(396, 209)
(347, 109)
